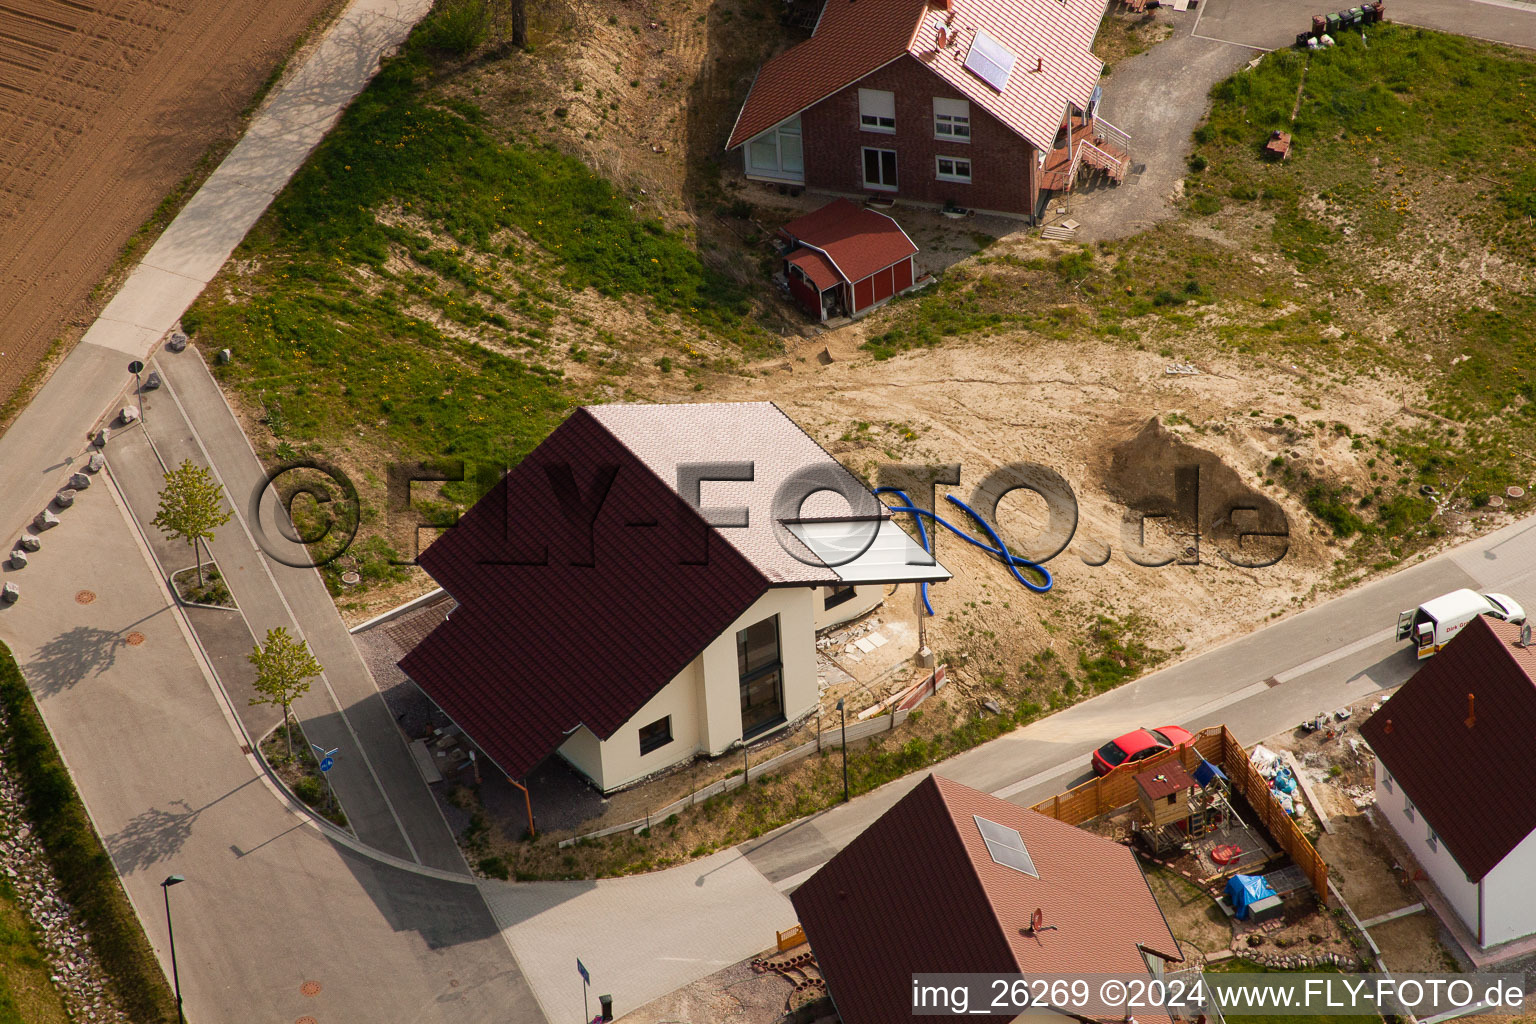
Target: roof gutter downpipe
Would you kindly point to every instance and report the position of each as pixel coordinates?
(527, 803)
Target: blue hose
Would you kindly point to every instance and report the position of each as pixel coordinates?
(996, 548)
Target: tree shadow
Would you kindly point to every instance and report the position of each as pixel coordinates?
(154, 835)
(151, 836)
(72, 656)
(76, 653)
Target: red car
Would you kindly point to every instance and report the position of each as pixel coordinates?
(1137, 746)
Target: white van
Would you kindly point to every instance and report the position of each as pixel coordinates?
(1434, 623)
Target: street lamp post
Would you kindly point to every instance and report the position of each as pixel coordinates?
(165, 887)
(843, 712)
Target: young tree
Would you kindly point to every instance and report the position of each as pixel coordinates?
(284, 668)
(191, 508)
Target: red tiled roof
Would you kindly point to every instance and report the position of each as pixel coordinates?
(859, 242)
(918, 892)
(817, 267)
(1476, 787)
(534, 651)
(1054, 36)
(857, 37)
(852, 39)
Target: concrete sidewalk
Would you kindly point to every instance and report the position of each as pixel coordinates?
(270, 903)
(641, 937)
(386, 800)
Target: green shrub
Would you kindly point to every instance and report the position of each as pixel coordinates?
(1327, 504)
(310, 790)
(456, 26)
(85, 872)
(494, 867)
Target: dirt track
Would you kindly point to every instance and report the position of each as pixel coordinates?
(104, 107)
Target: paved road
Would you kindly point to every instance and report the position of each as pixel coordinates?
(641, 937)
(270, 902)
(375, 779)
(1319, 660)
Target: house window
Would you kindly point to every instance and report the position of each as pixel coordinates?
(1386, 780)
(778, 153)
(1407, 807)
(837, 595)
(1433, 840)
(954, 168)
(761, 675)
(880, 168)
(877, 111)
(952, 119)
(657, 734)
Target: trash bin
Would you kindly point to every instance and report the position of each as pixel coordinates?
(1319, 24)
(1353, 16)
(1303, 38)
(1334, 24)
(606, 1002)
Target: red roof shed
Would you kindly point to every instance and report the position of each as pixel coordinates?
(845, 258)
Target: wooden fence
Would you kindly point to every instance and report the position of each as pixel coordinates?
(829, 736)
(1218, 746)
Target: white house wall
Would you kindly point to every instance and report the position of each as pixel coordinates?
(704, 700)
(865, 598)
(1509, 900)
(796, 608)
(1438, 863)
(679, 700)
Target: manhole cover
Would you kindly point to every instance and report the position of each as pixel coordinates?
(306, 1020)
(134, 639)
(1515, 492)
(351, 578)
(85, 597)
(310, 988)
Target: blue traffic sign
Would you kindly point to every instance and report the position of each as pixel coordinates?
(325, 763)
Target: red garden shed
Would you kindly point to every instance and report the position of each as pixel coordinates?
(845, 260)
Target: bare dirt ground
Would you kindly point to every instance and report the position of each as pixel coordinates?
(1340, 768)
(1063, 405)
(103, 109)
(736, 995)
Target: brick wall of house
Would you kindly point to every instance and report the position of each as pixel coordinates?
(1004, 172)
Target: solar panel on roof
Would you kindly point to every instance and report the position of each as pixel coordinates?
(1006, 846)
(989, 60)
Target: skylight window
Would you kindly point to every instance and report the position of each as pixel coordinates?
(989, 60)
(1006, 846)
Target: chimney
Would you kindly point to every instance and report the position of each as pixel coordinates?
(1388, 727)
(1471, 710)
(1039, 65)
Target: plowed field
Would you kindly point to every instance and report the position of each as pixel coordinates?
(104, 106)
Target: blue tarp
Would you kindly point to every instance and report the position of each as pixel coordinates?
(1245, 889)
(1205, 772)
